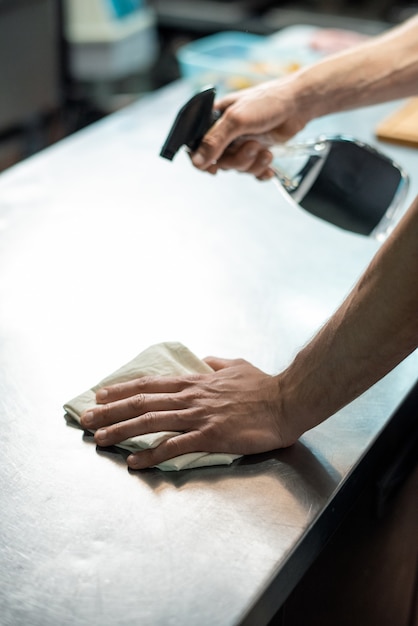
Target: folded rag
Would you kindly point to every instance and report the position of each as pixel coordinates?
(164, 359)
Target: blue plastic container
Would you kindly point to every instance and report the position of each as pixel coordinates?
(227, 58)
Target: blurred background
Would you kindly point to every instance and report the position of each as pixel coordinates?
(67, 63)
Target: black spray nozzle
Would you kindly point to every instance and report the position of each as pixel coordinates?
(192, 122)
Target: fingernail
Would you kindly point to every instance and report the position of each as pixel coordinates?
(101, 395)
(251, 154)
(101, 435)
(198, 159)
(87, 419)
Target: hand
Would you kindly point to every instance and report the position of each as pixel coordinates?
(236, 409)
(252, 121)
(245, 155)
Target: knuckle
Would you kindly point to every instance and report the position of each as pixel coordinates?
(211, 436)
(265, 157)
(243, 161)
(252, 146)
(103, 413)
(239, 361)
(148, 421)
(188, 399)
(191, 380)
(116, 433)
(235, 117)
(115, 389)
(209, 142)
(173, 447)
(136, 402)
(142, 382)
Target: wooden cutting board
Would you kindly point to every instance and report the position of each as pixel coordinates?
(401, 126)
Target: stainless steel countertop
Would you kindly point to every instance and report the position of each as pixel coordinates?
(106, 249)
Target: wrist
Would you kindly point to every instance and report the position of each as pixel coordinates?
(290, 418)
(305, 400)
(318, 91)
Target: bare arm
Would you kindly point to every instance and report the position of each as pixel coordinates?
(380, 69)
(239, 409)
(374, 330)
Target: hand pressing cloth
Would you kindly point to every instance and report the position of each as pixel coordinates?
(165, 359)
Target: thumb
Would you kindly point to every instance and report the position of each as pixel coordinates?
(215, 142)
(216, 363)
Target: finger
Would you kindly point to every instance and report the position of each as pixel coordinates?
(169, 449)
(153, 422)
(134, 406)
(268, 174)
(144, 384)
(261, 163)
(249, 156)
(211, 169)
(215, 142)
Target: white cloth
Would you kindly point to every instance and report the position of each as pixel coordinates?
(165, 359)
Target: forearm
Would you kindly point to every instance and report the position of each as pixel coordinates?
(374, 330)
(381, 69)
(238, 409)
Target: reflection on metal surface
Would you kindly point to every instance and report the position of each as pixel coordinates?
(111, 262)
